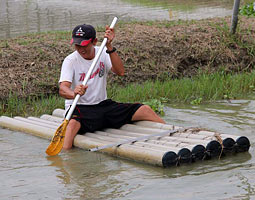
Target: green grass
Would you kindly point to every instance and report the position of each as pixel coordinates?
(199, 89)
(202, 88)
(31, 106)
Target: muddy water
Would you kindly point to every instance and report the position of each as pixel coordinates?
(26, 16)
(26, 173)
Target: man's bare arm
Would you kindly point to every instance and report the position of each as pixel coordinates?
(66, 91)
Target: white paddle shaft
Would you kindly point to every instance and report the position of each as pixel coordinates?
(70, 112)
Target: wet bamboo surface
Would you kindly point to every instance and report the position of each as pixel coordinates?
(184, 146)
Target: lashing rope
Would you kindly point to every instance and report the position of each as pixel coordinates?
(219, 139)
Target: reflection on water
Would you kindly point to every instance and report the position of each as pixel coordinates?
(226, 117)
(26, 16)
(27, 173)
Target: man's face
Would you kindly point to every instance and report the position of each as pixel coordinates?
(87, 52)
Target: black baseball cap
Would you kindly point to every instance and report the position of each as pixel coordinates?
(83, 34)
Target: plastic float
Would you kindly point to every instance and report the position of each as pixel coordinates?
(148, 142)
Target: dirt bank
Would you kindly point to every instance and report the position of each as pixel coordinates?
(30, 65)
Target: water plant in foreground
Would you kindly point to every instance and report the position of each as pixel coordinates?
(248, 10)
(156, 105)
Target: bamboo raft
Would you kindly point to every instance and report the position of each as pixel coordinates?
(183, 145)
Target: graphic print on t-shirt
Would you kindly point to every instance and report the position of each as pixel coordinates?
(100, 70)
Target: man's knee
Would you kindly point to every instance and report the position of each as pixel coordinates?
(145, 112)
(74, 123)
(145, 109)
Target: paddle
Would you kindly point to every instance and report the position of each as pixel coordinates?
(58, 139)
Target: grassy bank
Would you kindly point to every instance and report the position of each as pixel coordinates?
(199, 89)
(191, 61)
(149, 50)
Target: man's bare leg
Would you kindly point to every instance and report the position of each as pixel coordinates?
(145, 113)
(71, 131)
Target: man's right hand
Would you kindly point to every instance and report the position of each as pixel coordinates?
(80, 89)
(66, 91)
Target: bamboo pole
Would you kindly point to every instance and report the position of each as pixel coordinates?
(39, 121)
(26, 127)
(166, 127)
(228, 141)
(237, 143)
(166, 138)
(155, 125)
(136, 153)
(197, 150)
(59, 113)
(170, 155)
(155, 157)
(160, 140)
(213, 148)
(145, 129)
(187, 134)
(52, 118)
(104, 136)
(184, 154)
(47, 125)
(44, 121)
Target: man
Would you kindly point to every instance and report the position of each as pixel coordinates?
(94, 111)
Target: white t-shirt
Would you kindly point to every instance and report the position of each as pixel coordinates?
(74, 69)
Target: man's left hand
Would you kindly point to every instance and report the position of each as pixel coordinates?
(109, 34)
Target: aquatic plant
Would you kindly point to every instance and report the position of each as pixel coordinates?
(196, 101)
(156, 105)
(248, 10)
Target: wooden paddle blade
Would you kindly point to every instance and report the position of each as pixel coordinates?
(57, 141)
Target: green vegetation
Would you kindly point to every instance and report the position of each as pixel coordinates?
(199, 89)
(248, 10)
(191, 62)
(156, 105)
(31, 106)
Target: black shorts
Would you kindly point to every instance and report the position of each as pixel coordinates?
(106, 114)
